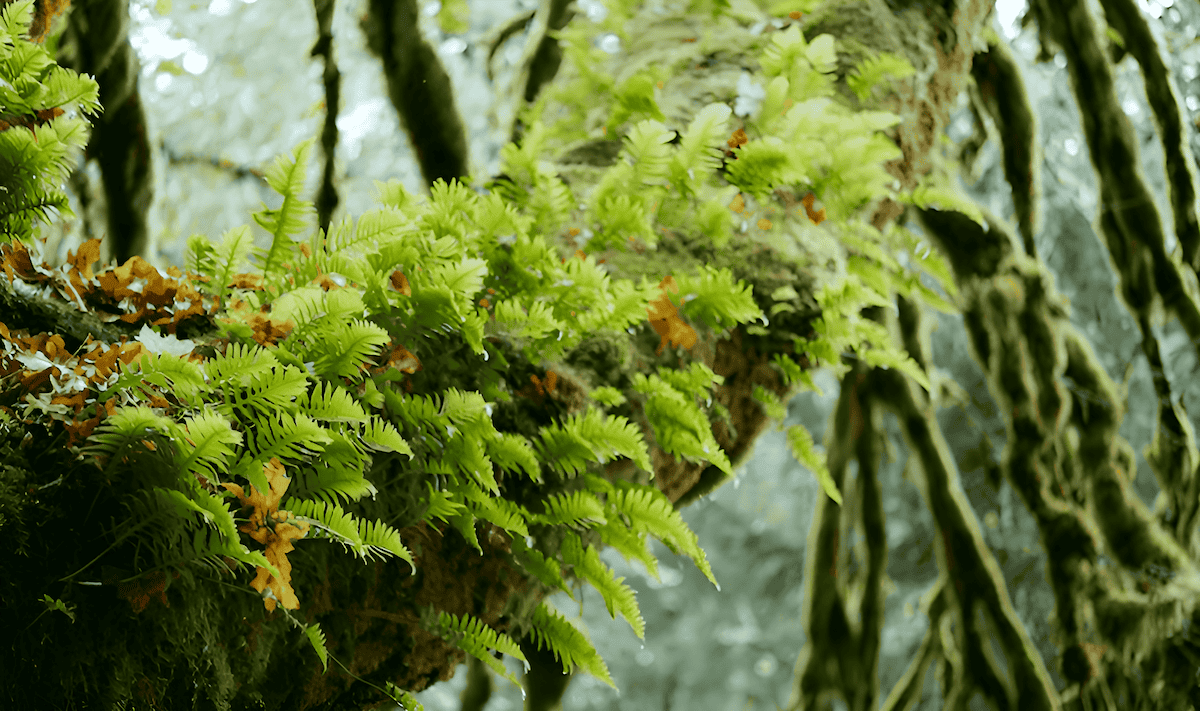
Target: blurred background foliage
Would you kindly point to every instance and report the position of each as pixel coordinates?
(228, 85)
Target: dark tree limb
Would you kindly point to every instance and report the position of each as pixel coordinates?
(419, 88)
(327, 195)
(1168, 111)
(1002, 93)
(479, 686)
(545, 680)
(542, 58)
(96, 41)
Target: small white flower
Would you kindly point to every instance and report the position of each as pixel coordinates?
(164, 344)
(750, 96)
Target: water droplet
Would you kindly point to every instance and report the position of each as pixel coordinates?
(485, 354)
(643, 646)
(522, 692)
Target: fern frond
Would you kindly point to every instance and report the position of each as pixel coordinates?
(220, 262)
(268, 392)
(240, 364)
(713, 298)
(630, 544)
(650, 511)
(464, 523)
(472, 636)
(210, 506)
(285, 177)
(442, 505)
(329, 520)
(347, 347)
(168, 372)
(207, 446)
(338, 473)
(510, 450)
(647, 145)
(504, 513)
(573, 508)
(537, 564)
(550, 630)
(329, 403)
(382, 436)
(125, 427)
(281, 436)
(618, 597)
(679, 425)
(698, 153)
(316, 638)
(871, 71)
(365, 538)
(590, 435)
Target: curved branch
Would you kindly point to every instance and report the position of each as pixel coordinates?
(96, 41)
(1002, 92)
(419, 88)
(1165, 106)
(327, 197)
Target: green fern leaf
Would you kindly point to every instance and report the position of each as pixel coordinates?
(329, 519)
(347, 347)
(618, 597)
(573, 508)
(316, 637)
(380, 538)
(442, 504)
(650, 511)
(338, 473)
(537, 564)
(550, 630)
(207, 447)
(472, 636)
(329, 403)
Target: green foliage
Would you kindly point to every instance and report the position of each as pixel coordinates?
(37, 142)
(872, 71)
(304, 388)
(554, 632)
(475, 638)
(618, 597)
(366, 538)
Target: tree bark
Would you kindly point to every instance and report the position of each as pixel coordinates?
(96, 42)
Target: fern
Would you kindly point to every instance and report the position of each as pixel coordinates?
(365, 538)
(316, 638)
(649, 510)
(37, 152)
(573, 508)
(512, 451)
(587, 436)
(221, 262)
(464, 266)
(871, 71)
(551, 631)
(698, 154)
(618, 597)
(285, 177)
(347, 347)
(472, 636)
(442, 505)
(679, 425)
(502, 512)
(206, 448)
(537, 564)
